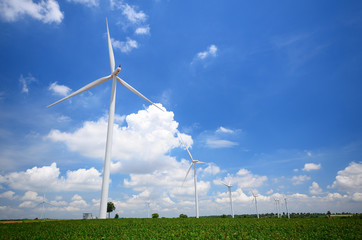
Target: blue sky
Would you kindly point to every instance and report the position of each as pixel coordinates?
(267, 93)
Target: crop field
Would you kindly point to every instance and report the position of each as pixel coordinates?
(189, 228)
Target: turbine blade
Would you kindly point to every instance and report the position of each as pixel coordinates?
(224, 184)
(202, 162)
(136, 92)
(187, 149)
(85, 88)
(110, 49)
(187, 174)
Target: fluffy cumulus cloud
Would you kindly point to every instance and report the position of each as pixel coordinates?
(47, 11)
(315, 189)
(221, 129)
(47, 178)
(132, 14)
(60, 90)
(216, 139)
(142, 146)
(311, 166)
(244, 179)
(143, 30)
(300, 179)
(125, 46)
(7, 194)
(350, 179)
(25, 82)
(210, 52)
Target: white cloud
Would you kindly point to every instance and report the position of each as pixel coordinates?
(244, 179)
(143, 30)
(219, 143)
(132, 15)
(142, 146)
(221, 129)
(300, 179)
(60, 90)
(88, 3)
(47, 179)
(8, 195)
(210, 52)
(126, 46)
(47, 11)
(315, 189)
(25, 81)
(350, 179)
(212, 169)
(311, 166)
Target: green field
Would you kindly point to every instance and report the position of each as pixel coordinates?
(189, 228)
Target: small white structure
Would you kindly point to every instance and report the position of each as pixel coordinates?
(87, 216)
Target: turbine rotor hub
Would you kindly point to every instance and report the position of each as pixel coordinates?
(115, 73)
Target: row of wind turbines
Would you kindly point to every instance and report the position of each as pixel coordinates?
(107, 159)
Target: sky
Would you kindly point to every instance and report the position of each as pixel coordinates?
(267, 93)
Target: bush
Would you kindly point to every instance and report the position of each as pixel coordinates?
(155, 215)
(183, 215)
(116, 216)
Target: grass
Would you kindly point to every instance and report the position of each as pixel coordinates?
(190, 228)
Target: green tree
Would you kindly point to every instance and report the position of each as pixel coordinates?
(116, 216)
(155, 215)
(183, 215)
(110, 208)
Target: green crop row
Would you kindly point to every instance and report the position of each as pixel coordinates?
(203, 228)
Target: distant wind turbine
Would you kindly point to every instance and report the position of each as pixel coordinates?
(107, 159)
(231, 200)
(148, 209)
(256, 203)
(193, 163)
(286, 206)
(43, 203)
(277, 205)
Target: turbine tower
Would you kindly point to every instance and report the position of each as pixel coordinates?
(256, 203)
(43, 203)
(107, 158)
(231, 200)
(277, 206)
(148, 209)
(193, 163)
(286, 206)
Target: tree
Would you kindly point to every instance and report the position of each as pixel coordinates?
(155, 215)
(116, 216)
(183, 215)
(110, 208)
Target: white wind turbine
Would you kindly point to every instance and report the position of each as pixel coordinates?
(43, 203)
(256, 203)
(115, 78)
(231, 200)
(193, 162)
(286, 206)
(277, 205)
(148, 208)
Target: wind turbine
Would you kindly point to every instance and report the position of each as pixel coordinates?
(231, 200)
(193, 163)
(107, 159)
(256, 203)
(286, 206)
(148, 209)
(277, 205)
(43, 203)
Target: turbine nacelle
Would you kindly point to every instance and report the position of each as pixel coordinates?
(115, 72)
